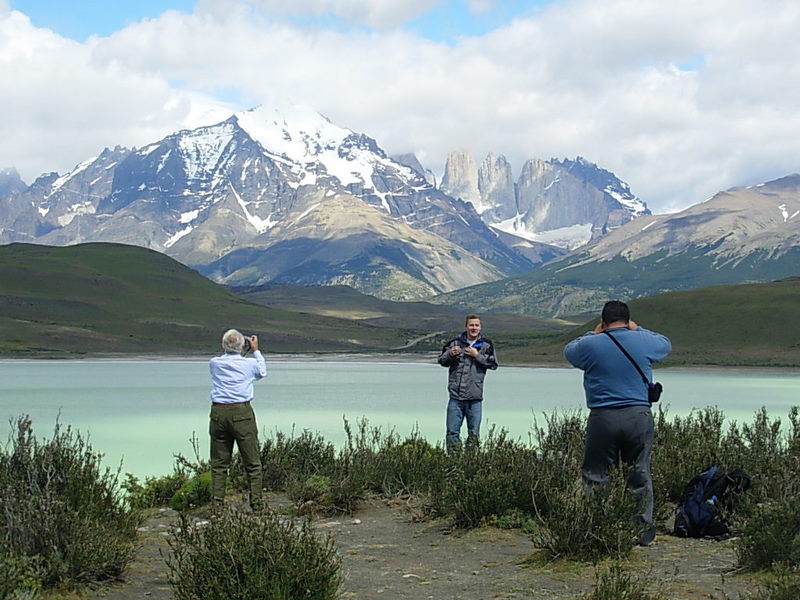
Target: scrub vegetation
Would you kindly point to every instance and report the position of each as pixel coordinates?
(66, 522)
(238, 556)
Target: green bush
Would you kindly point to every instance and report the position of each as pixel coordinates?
(684, 447)
(193, 493)
(515, 519)
(285, 456)
(771, 535)
(155, 491)
(556, 460)
(408, 466)
(310, 494)
(486, 479)
(784, 585)
(240, 556)
(20, 576)
(62, 510)
(617, 583)
(588, 527)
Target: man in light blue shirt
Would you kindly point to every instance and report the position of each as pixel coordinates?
(620, 424)
(232, 417)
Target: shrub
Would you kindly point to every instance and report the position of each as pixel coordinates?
(588, 527)
(240, 556)
(155, 491)
(310, 494)
(370, 461)
(784, 585)
(616, 583)
(771, 535)
(682, 448)
(193, 493)
(557, 458)
(485, 479)
(19, 576)
(515, 519)
(62, 510)
(689, 445)
(285, 456)
(408, 466)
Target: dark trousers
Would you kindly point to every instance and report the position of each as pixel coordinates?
(621, 433)
(231, 423)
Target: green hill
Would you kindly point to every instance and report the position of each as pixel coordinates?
(755, 324)
(346, 302)
(111, 298)
(105, 299)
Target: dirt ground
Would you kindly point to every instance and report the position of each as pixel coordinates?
(388, 556)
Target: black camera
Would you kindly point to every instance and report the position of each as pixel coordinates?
(246, 346)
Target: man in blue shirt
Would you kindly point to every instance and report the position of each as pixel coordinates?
(620, 423)
(232, 417)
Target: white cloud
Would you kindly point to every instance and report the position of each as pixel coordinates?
(479, 6)
(680, 99)
(380, 14)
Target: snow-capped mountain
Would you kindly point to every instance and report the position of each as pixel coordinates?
(749, 234)
(562, 203)
(270, 195)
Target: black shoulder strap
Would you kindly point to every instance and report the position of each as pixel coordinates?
(629, 357)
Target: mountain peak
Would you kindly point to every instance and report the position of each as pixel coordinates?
(294, 131)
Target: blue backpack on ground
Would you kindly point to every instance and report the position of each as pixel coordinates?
(699, 515)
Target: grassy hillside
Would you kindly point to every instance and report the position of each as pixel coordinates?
(343, 301)
(112, 298)
(117, 299)
(754, 324)
(570, 286)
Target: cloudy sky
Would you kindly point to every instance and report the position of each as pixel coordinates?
(680, 99)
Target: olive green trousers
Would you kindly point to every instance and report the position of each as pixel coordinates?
(231, 423)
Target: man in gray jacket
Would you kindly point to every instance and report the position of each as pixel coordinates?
(468, 357)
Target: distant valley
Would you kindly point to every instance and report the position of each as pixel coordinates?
(102, 299)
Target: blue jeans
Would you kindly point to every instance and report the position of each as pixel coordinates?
(457, 411)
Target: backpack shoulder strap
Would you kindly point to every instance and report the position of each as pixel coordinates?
(629, 357)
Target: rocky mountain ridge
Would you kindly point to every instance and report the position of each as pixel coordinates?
(746, 234)
(278, 195)
(563, 203)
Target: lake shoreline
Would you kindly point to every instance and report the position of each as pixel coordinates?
(377, 357)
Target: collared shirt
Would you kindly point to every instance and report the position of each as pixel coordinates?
(232, 376)
(609, 379)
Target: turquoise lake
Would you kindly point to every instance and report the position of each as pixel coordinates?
(141, 412)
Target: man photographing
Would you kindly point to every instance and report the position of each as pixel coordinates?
(232, 417)
(620, 424)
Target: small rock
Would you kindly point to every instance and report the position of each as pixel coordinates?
(356, 521)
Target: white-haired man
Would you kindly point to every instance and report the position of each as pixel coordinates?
(232, 417)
